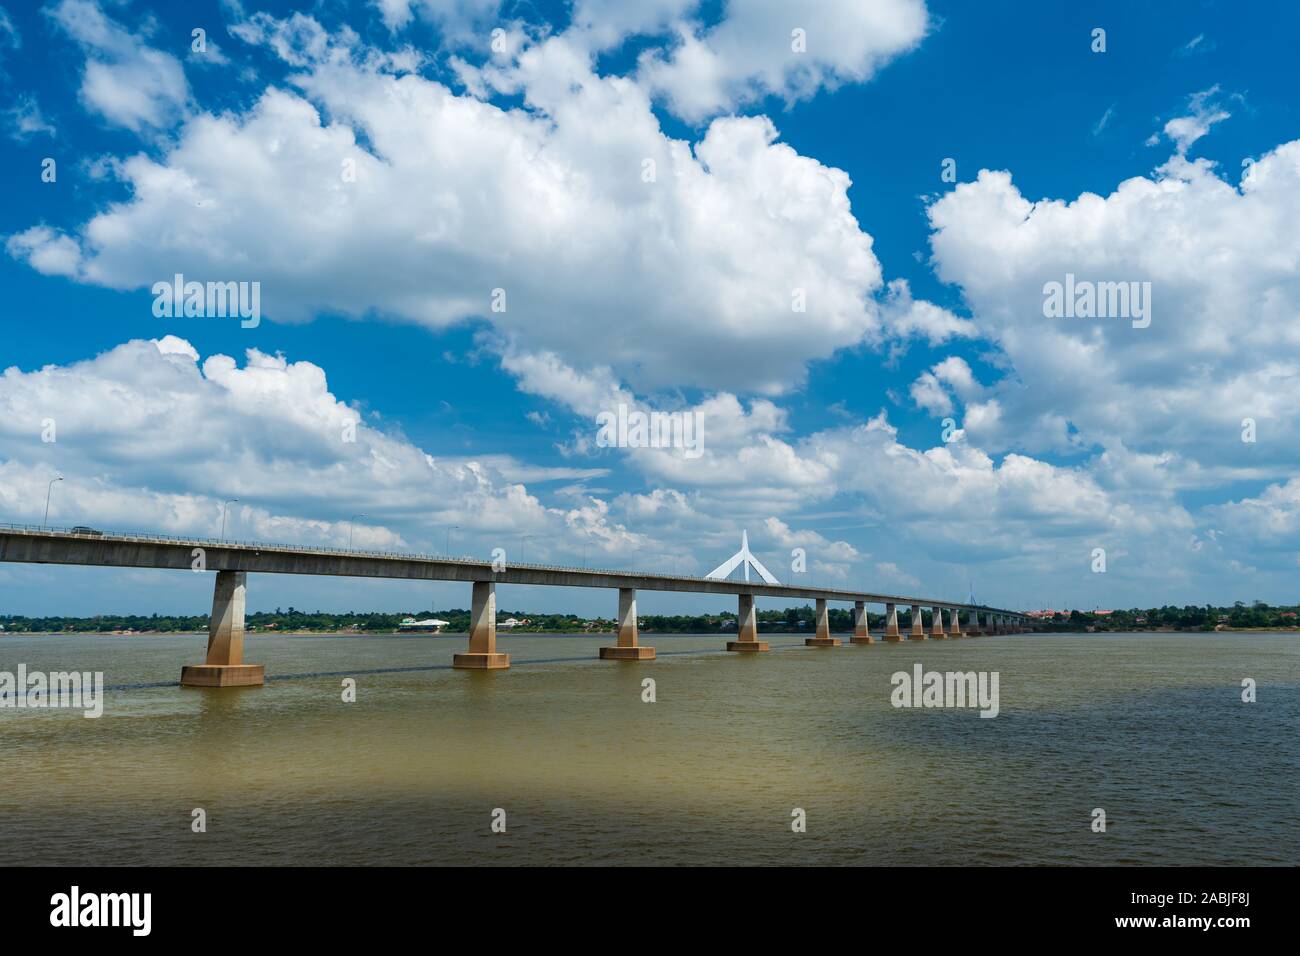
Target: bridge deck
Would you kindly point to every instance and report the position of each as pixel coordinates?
(34, 545)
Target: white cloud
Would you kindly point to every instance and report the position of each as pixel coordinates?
(1183, 131)
(751, 52)
(126, 81)
(1222, 345)
(459, 198)
(46, 251)
(905, 317)
(149, 436)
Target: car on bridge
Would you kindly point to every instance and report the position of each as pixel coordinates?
(82, 529)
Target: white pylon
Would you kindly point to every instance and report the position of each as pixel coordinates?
(745, 559)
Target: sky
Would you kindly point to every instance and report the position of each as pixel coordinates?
(822, 235)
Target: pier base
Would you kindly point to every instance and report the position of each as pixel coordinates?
(223, 675)
(478, 661)
(822, 641)
(865, 639)
(751, 646)
(637, 653)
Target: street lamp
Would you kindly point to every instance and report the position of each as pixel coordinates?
(225, 506)
(351, 522)
(49, 488)
(450, 529)
(522, 539)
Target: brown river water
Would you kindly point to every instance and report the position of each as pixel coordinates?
(1149, 727)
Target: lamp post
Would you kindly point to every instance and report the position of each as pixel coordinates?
(522, 539)
(225, 505)
(48, 489)
(450, 529)
(351, 522)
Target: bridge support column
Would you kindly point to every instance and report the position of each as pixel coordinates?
(627, 648)
(917, 632)
(891, 624)
(936, 624)
(482, 653)
(860, 633)
(747, 628)
(823, 638)
(954, 623)
(224, 665)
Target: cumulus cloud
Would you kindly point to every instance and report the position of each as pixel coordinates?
(1222, 345)
(454, 198)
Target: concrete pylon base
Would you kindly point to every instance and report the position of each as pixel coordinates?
(894, 638)
(223, 675)
(822, 641)
(481, 662)
(750, 646)
(862, 640)
(938, 637)
(637, 653)
(917, 637)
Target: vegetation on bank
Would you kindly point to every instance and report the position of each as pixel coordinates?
(1191, 617)
(788, 620)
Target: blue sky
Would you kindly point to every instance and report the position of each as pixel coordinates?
(776, 169)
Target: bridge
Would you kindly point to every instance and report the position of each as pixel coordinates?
(233, 561)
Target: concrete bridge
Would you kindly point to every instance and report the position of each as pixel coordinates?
(234, 561)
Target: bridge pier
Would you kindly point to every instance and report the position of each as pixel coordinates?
(891, 624)
(917, 633)
(936, 624)
(954, 623)
(224, 665)
(860, 633)
(482, 653)
(747, 628)
(823, 638)
(627, 648)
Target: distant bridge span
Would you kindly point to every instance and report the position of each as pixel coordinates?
(233, 561)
